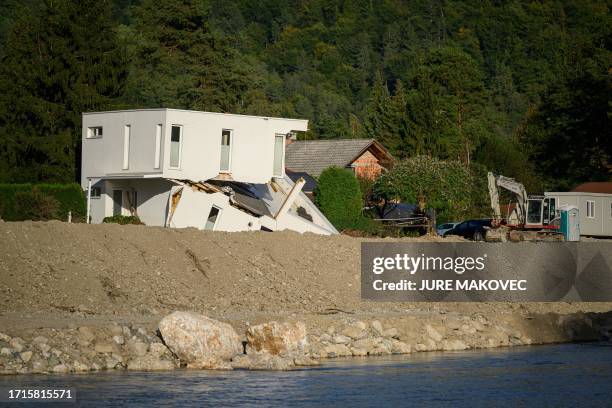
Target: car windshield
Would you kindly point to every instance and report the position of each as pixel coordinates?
(446, 226)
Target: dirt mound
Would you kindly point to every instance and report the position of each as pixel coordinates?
(147, 271)
(125, 269)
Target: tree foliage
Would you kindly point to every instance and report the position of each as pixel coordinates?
(59, 59)
(432, 183)
(522, 88)
(339, 197)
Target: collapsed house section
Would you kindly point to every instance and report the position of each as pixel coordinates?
(226, 205)
(179, 168)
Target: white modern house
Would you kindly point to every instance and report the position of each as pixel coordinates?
(179, 168)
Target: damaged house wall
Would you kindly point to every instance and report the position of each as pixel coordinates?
(245, 207)
(194, 207)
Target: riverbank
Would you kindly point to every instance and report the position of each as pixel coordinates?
(89, 297)
(110, 343)
(517, 376)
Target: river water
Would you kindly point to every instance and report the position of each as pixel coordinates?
(554, 375)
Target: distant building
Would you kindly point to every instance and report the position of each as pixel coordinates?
(367, 158)
(179, 168)
(603, 187)
(594, 202)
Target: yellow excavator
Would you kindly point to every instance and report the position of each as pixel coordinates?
(532, 217)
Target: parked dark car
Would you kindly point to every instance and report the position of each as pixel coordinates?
(470, 229)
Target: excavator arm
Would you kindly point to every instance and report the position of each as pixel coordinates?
(507, 183)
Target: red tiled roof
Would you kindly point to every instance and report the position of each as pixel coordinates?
(595, 187)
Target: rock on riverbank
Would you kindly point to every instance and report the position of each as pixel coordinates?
(188, 339)
(199, 341)
(84, 349)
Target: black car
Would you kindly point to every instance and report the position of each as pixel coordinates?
(470, 229)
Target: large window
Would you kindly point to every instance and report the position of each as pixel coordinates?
(126, 146)
(590, 209)
(226, 149)
(158, 137)
(176, 140)
(279, 151)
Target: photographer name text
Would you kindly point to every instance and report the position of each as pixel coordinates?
(451, 284)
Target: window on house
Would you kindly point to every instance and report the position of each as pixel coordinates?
(96, 192)
(279, 151)
(126, 146)
(590, 209)
(158, 137)
(610, 209)
(213, 216)
(176, 137)
(226, 149)
(94, 131)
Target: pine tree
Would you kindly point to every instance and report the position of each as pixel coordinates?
(180, 62)
(385, 114)
(447, 118)
(60, 59)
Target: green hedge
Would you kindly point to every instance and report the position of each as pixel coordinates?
(338, 195)
(70, 197)
(123, 220)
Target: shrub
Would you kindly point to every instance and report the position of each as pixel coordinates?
(123, 220)
(7, 199)
(366, 186)
(446, 186)
(70, 197)
(339, 197)
(36, 206)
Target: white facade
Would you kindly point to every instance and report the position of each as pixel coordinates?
(595, 210)
(251, 146)
(151, 198)
(133, 160)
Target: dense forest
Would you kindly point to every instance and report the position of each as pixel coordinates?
(519, 87)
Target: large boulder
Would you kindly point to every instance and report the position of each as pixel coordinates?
(277, 338)
(199, 341)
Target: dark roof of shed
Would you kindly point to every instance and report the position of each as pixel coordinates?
(310, 184)
(314, 156)
(604, 187)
